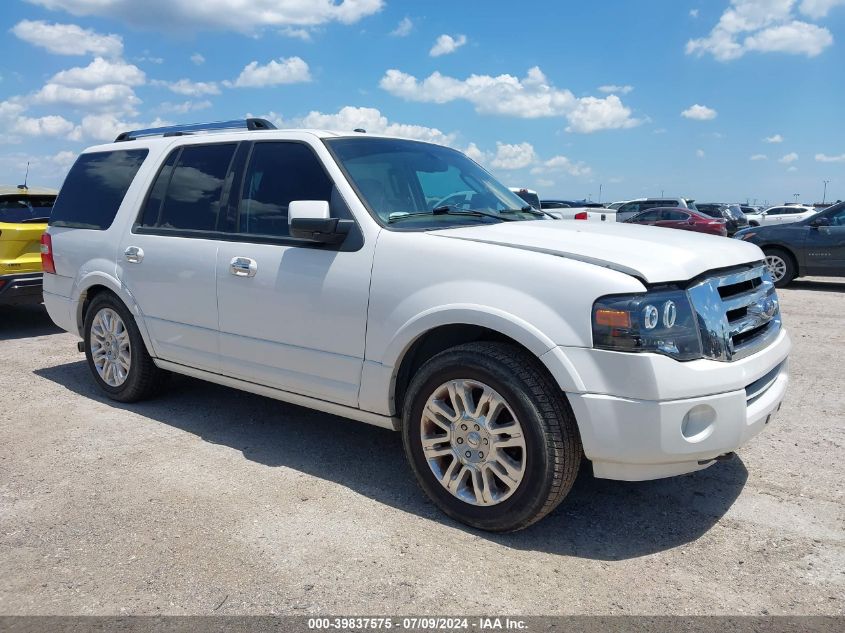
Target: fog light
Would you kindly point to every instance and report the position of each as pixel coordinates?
(698, 425)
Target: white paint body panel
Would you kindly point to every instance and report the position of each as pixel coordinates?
(328, 329)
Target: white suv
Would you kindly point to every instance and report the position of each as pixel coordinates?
(325, 269)
(784, 214)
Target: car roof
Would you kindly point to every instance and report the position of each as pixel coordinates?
(11, 190)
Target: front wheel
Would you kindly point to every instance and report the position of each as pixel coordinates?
(490, 437)
(781, 266)
(116, 354)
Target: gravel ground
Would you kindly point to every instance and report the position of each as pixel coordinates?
(208, 500)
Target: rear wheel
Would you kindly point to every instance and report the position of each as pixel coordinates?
(781, 266)
(116, 354)
(490, 436)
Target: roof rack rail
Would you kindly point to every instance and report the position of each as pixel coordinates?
(181, 130)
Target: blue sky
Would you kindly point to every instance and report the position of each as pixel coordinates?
(711, 99)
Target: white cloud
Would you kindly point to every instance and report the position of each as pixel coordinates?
(106, 127)
(592, 114)
(530, 97)
(350, 118)
(819, 8)
(788, 158)
(300, 34)
(404, 28)
(765, 26)
(562, 164)
(699, 113)
(511, 157)
(614, 89)
(824, 158)
(235, 15)
(693, 13)
(68, 39)
(759, 157)
(793, 168)
(284, 71)
(700, 153)
(108, 97)
(100, 72)
(185, 106)
(63, 159)
(190, 88)
(476, 154)
(446, 44)
(42, 126)
(777, 138)
(198, 59)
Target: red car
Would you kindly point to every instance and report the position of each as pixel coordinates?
(677, 218)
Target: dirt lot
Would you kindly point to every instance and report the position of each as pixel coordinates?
(208, 500)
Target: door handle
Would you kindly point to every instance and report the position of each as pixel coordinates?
(243, 267)
(134, 255)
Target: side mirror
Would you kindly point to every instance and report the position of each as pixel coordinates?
(311, 220)
(820, 222)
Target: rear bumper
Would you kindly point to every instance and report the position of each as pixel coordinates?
(21, 289)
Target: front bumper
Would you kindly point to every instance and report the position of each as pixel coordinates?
(20, 289)
(649, 431)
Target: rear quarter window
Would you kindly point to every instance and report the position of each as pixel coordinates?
(95, 187)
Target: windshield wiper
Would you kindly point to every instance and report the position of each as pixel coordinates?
(447, 209)
(529, 209)
(33, 220)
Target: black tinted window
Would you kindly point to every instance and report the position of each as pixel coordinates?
(648, 216)
(279, 173)
(713, 210)
(152, 208)
(671, 215)
(194, 192)
(24, 208)
(94, 189)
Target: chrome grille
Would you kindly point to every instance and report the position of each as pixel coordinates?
(738, 313)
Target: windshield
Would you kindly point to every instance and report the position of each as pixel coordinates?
(22, 208)
(404, 182)
(531, 198)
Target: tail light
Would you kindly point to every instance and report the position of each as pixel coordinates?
(47, 263)
(581, 215)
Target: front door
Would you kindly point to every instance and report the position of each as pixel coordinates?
(825, 246)
(292, 313)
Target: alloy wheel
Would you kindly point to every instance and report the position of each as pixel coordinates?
(776, 266)
(111, 350)
(473, 442)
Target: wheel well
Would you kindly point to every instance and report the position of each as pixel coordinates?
(86, 299)
(438, 340)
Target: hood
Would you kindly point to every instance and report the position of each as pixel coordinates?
(653, 254)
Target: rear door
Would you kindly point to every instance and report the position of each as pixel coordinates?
(673, 219)
(292, 313)
(168, 260)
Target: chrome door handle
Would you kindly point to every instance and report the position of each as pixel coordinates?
(243, 267)
(134, 255)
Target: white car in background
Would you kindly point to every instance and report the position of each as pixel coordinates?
(784, 214)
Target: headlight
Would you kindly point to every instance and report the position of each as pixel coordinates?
(661, 322)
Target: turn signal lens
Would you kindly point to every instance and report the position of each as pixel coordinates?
(613, 318)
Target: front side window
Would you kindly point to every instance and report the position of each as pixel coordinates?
(420, 185)
(648, 216)
(278, 174)
(775, 211)
(94, 189)
(193, 183)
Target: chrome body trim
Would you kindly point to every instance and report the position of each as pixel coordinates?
(738, 313)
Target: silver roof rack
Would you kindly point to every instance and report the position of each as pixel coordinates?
(190, 128)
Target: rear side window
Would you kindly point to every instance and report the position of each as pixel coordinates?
(193, 180)
(278, 174)
(95, 187)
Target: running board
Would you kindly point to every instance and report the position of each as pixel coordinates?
(383, 421)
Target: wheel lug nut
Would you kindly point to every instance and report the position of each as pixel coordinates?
(468, 454)
(463, 427)
(485, 441)
(460, 440)
(480, 455)
(477, 428)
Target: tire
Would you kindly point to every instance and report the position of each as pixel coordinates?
(781, 266)
(112, 338)
(540, 455)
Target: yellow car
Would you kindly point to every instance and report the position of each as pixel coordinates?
(24, 212)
